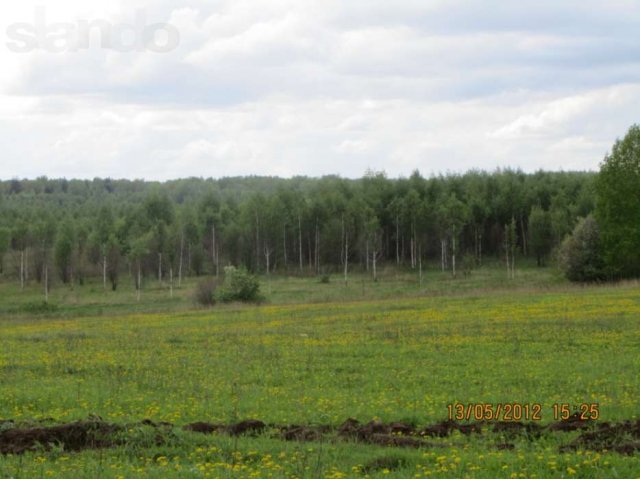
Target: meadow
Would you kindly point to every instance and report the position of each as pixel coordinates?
(318, 354)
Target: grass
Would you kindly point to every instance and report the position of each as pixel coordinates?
(320, 353)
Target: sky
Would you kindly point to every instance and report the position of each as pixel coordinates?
(170, 88)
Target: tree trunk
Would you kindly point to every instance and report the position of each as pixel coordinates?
(257, 242)
(411, 247)
(213, 249)
(397, 241)
(475, 237)
(442, 253)
(346, 257)
(453, 255)
(267, 257)
(160, 267)
(508, 266)
(513, 261)
(317, 249)
(342, 242)
(300, 241)
(367, 253)
(22, 270)
(139, 280)
(524, 236)
(373, 261)
(420, 263)
(170, 281)
(181, 258)
(46, 280)
(284, 246)
(217, 259)
(104, 272)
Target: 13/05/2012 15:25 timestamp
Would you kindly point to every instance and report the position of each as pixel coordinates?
(514, 412)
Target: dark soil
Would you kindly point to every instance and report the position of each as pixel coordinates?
(571, 424)
(622, 438)
(87, 434)
(300, 433)
(246, 427)
(94, 433)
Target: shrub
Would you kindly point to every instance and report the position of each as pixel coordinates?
(239, 286)
(325, 279)
(205, 293)
(580, 255)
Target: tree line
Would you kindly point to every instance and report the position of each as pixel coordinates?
(73, 229)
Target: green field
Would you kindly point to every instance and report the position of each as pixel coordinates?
(317, 354)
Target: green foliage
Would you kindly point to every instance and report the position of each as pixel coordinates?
(580, 254)
(239, 286)
(618, 206)
(194, 226)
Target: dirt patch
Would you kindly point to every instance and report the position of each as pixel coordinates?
(300, 433)
(246, 427)
(87, 434)
(571, 424)
(621, 437)
(204, 427)
(353, 429)
(510, 429)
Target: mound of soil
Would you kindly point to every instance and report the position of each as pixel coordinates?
(300, 433)
(533, 430)
(94, 433)
(71, 437)
(571, 424)
(353, 429)
(622, 438)
(246, 427)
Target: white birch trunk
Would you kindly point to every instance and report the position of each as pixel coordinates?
(22, 270)
(170, 282)
(346, 258)
(180, 261)
(104, 272)
(138, 284)
(300, 241)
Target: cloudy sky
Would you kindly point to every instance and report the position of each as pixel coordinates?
(278, 87)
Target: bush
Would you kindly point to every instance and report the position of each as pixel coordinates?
(580, 255)
(325, 279)
(239, 286)
(205, 293)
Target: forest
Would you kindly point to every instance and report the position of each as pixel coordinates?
(70, 230)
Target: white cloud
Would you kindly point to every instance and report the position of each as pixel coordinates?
(286, 87)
